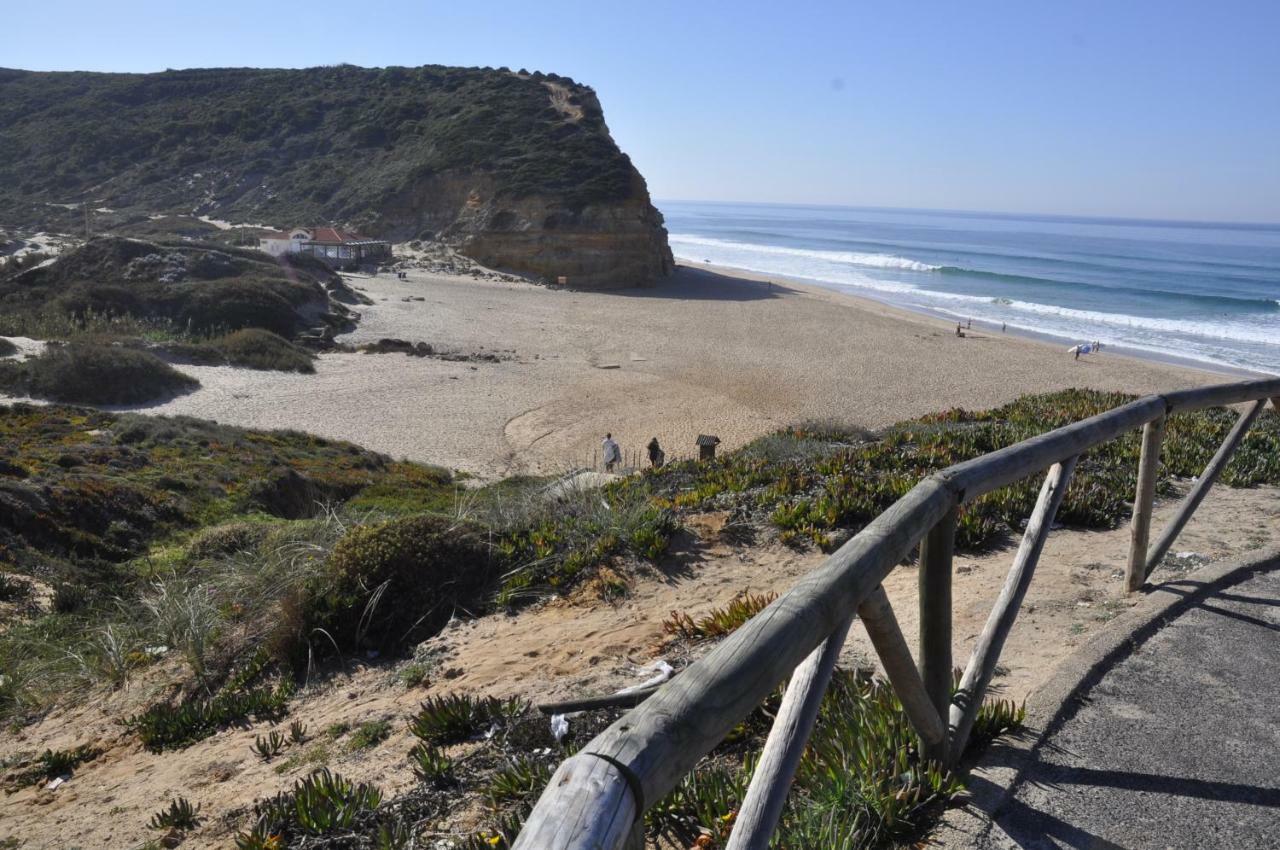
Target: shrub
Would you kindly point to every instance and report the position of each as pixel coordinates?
(248, 348)
(430, 765)
(164, 726)
(13, 589)
(267, 747)
(227, 539)
(369, 734)
(454, 718)
(51, 764)
(719, 621)
(180, 815)
(95, 374)
(320, 803)
(397, 582)
(520, 782)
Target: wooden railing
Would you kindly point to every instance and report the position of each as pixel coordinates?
(597, 798)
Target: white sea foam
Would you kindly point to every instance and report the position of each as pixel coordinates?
(1250, 342)
(852, 258)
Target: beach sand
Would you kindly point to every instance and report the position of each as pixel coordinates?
(705, 352)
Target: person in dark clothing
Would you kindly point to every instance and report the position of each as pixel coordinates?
(657, 457)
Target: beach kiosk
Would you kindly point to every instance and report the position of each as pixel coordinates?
(707, 446)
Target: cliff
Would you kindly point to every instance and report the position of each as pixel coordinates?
(518, 170)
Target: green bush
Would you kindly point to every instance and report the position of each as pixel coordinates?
(95, 374)
(165, 726)
(398, 582)
(321, 803)
(248, 348)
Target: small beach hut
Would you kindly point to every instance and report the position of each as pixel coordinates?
(707, 446)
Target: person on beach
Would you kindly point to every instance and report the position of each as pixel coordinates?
(612, 453)
(657, 457)
(959, 332)
(1002, 326)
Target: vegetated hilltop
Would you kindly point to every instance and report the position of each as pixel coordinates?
(190, 287)
(518, 169)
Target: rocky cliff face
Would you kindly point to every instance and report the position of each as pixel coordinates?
(602, 245)
(517, 170)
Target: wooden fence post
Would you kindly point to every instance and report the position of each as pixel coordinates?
(1144, 498)
(762, 806)
(986, 650)
(935, 619)
(1202, 485)
(878, 619)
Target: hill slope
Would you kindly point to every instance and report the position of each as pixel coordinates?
(519, 170)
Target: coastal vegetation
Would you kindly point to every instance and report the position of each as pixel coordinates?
(238, 564)
(166, 290)
(94, 374)
(337, 143)
(247, 348)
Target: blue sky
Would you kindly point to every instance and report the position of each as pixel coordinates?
(1154, 109)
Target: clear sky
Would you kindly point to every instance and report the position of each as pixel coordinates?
(1162, 108)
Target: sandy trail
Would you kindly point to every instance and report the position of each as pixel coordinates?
(701, 353)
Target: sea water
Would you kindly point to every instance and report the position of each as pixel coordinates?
(1201, 291)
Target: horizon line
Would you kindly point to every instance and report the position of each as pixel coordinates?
(1130, 219)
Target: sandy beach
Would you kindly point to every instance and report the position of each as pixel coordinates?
(704, 352)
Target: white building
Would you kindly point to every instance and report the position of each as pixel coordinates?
(334, 246)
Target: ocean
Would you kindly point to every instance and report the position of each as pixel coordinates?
(1203, 292)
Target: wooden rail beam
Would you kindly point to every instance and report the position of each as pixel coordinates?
(609, 822)
(986, 651)
(1221, 394)
(762, 806)
(1202, 485)
(997, 469)
(882, 627)
(936, 552)
(1143, 500)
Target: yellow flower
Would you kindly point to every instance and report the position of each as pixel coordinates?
(494, 841)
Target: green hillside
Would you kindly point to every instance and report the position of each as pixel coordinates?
(321, 144)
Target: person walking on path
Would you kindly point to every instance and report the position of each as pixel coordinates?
(657, 457)
(612, 453)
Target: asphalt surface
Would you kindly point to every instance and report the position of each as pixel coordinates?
(1177, 745)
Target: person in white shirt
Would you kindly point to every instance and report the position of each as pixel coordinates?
(612, 453)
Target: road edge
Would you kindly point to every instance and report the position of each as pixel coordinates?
(995, 777)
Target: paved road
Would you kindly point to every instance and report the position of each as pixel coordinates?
(1177, 746)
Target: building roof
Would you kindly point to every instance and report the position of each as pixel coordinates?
(708, 440)
(336, 236)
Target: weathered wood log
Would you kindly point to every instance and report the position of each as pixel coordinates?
(986, 651)
(599, 808)
(1202, 485)
(1030, 457)
(762, 805)
(936, 551)
(1221, 394)
(629, 699)
(1143, 500)
(660, 740)
(877, 617)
